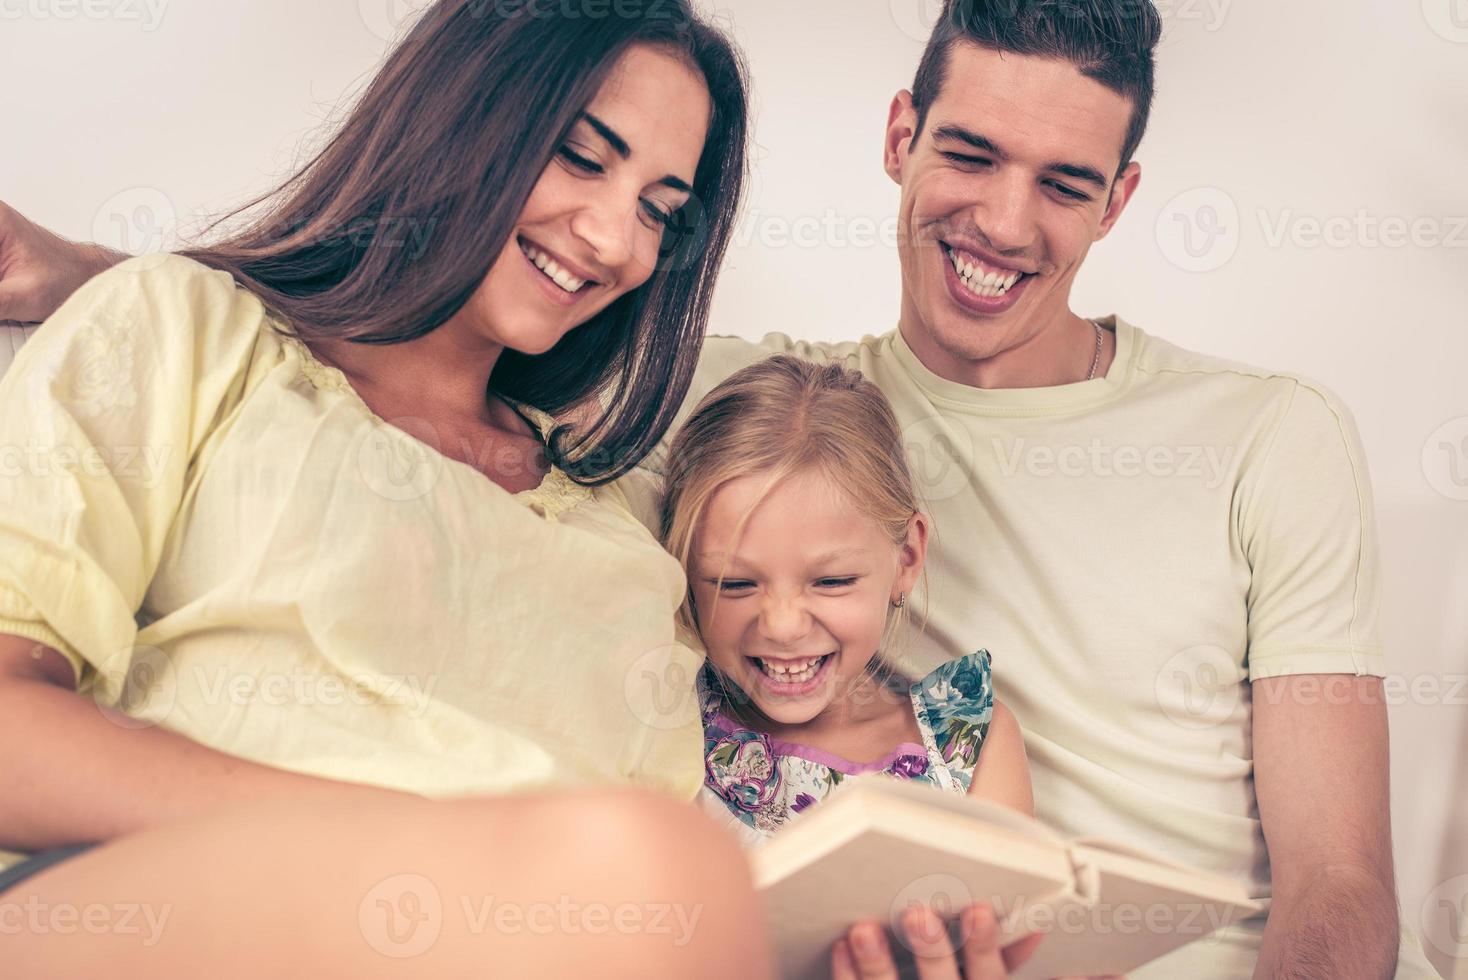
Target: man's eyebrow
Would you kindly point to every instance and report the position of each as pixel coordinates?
(978, 141)
(625, 152)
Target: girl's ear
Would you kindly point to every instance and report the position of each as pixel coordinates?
(913, 553)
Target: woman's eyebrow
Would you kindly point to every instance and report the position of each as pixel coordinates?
(625, 152)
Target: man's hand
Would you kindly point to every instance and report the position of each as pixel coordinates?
(865, 955)
(39, 270)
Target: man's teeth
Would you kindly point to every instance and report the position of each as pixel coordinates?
(793, 673)
(548, 265)
(981, 279)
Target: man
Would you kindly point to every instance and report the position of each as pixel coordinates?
(1172, 558)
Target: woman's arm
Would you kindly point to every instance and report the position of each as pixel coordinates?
(77, 773)
(1003, 771)
(39, 270)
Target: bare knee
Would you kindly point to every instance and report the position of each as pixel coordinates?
(680, 884)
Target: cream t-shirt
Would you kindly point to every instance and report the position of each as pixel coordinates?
(1133, 551)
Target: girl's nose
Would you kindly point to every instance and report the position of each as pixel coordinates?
(784, 621)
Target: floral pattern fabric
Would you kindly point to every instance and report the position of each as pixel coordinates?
(757, 783)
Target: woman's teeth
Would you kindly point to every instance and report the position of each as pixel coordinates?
(792, 673)
(548, 265)
(980, 279)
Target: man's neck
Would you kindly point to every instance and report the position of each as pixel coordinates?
(1061, 353)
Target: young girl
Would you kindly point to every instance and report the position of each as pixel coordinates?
(790, 504)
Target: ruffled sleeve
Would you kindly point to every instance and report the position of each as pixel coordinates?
(954, 705)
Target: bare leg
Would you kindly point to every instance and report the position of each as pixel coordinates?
(595, 883)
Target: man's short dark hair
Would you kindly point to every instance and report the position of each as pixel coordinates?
(1110, 41)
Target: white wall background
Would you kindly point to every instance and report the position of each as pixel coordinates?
(1302, 207)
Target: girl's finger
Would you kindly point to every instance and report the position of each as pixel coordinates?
(927, 937)
(867, 955)
(982, 957)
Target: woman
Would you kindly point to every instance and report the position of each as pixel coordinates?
(350, 538)
(246, 449)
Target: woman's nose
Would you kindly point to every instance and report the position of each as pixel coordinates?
(607, 225)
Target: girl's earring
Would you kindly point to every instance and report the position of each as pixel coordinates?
(901, 600)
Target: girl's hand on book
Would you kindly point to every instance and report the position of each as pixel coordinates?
(865, 955)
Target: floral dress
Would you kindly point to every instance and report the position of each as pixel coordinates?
(754, 783)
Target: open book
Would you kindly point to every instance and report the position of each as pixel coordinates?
(879, 845)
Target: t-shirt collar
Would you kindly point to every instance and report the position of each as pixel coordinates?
(1027, 401)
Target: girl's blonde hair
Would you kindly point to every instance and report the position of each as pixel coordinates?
(781, 417)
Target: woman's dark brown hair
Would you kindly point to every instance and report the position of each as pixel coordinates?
(449, 139)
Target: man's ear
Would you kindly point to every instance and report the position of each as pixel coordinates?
(1122, 190)
(901, 123)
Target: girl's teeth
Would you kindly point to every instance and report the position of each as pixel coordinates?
(792, 675)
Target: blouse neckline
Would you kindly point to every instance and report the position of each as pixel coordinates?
(555, 494)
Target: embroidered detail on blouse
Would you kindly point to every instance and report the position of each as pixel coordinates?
(764, 782)
(557, 492)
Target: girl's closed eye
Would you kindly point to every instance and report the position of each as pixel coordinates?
(838, 583)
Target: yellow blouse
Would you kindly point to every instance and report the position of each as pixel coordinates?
(225, 541)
